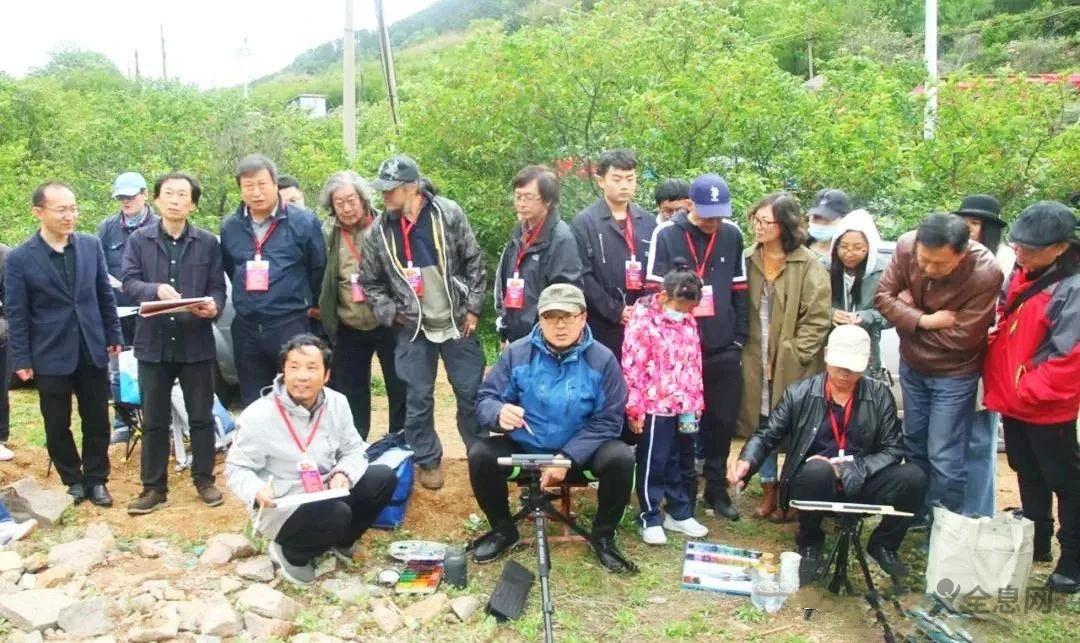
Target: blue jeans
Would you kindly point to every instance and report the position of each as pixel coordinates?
(938, 414)
(980, 494)
(4, 514)
(767, 472)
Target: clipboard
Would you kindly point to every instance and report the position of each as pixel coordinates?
(164, 306)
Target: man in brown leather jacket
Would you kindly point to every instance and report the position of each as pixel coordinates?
(939, 291)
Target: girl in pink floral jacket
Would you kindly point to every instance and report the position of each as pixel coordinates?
(661, 362)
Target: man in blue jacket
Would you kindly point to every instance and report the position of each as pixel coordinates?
(275, 255)
(62, 327)
(555, 391)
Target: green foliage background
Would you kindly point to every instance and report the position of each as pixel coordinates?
(692, 86)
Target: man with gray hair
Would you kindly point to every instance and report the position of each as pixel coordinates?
(275, 255)
(343, 307)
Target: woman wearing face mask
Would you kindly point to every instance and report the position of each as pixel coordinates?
(790, 317)
(854, 270)
(829, 205)
(982, 213)
(661, 360)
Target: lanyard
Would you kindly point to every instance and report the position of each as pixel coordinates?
(629, 234)
(699, 266)
(526, 242)
(839, 431)
(352, 246)
(259, 244)
(292, 432)
(406, 228)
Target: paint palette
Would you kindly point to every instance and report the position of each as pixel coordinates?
(420, 577)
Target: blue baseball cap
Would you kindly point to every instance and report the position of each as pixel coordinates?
(711, 196)
(128, 184)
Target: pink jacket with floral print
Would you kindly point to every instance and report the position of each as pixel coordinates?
(661, 362)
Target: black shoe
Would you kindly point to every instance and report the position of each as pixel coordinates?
(889, 560)
(721, 505)
(1041, 555)
(148, 500)
(495, 544)
(1062, 584)
(77, 491)
(210, 495)
(808, 564)
(610, 556)
(99, 495)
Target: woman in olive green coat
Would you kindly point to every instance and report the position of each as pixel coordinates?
(790, 314)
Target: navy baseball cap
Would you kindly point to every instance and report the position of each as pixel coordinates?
(711, 196)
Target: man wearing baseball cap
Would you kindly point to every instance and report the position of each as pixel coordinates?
(846, 445)
(129, 190)
(1032, 377)
(558, 391)
(706, 241)
(830, 205)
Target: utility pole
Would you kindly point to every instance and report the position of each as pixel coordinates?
(348, 86)
(930, 112)
(810, 51)
(136, 65)
(388, 64)
(164, 73)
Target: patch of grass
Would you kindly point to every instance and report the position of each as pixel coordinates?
(749, 614)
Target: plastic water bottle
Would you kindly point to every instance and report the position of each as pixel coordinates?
(789, 571)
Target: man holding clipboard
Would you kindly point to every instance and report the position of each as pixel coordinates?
(169, 261)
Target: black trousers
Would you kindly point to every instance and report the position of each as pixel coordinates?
(317, 526)
(91, 387)
(901, 485)
(351, 374)
(612, 464)
(722, 377)
(155, 389)
(608, 334)
(5, 381)
(256, 346)
(1046, 460)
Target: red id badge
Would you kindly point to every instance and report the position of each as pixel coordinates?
(633, 275)
(257, 276)
(412, 275)
(705, 307)
(309, 476)
(356, 291)
(515, 293)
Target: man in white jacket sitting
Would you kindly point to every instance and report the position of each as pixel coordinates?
(299, 437)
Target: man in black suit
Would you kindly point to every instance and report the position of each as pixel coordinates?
(62, 327)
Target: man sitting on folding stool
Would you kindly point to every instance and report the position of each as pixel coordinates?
(555, 391)
(846, 445)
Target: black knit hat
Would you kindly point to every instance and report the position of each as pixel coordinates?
(982, 206)
(1043, 224)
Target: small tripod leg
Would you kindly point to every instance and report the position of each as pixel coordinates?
(543, 567)
(872, 596)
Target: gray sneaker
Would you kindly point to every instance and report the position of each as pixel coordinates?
(296, 574)
(344, 554)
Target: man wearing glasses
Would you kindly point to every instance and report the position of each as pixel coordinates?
(129, 190)
(559, 391)
(62, 327)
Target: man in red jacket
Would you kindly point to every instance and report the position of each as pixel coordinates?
(1032, 377)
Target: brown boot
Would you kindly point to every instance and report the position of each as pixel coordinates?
(780, 516)
(768, 500)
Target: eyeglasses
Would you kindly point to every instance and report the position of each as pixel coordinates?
(124, 198)
(523, 197)
(764, 223)
(559, 320)
(852, 250)
(72, 210)
(353, 201)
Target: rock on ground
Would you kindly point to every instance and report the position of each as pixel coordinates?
(316, 637)
(219, 619)
(161, 626)
(34, 609)
(268, 602)
(386, 617)
(86, 619)
(222, 548)
(54, 576)
(427, 609)
(80, 555)
(260, 569)
(10, 561)
(464, 606)
(27, 499)
(347, 590)
(261, 629)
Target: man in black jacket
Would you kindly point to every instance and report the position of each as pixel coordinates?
(613, 238)
(173, 260)
(541, 251)
(846, 445)
(709, 243)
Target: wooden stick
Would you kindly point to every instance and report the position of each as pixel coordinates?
(258, 514)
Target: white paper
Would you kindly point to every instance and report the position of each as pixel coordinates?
(297, 499)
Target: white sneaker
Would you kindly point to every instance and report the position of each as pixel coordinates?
(653, 535)
(10, 531)
(690, 527)
(6, 453)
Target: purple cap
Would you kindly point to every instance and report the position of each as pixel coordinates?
(711, 196)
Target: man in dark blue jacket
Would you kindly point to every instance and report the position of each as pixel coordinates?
(62, 327)
(614, 237)
(174, 260)
(129, 189)
(555, 391)
(275, 254)
(709, 243)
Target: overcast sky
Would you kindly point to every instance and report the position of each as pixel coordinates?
(204, 39)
